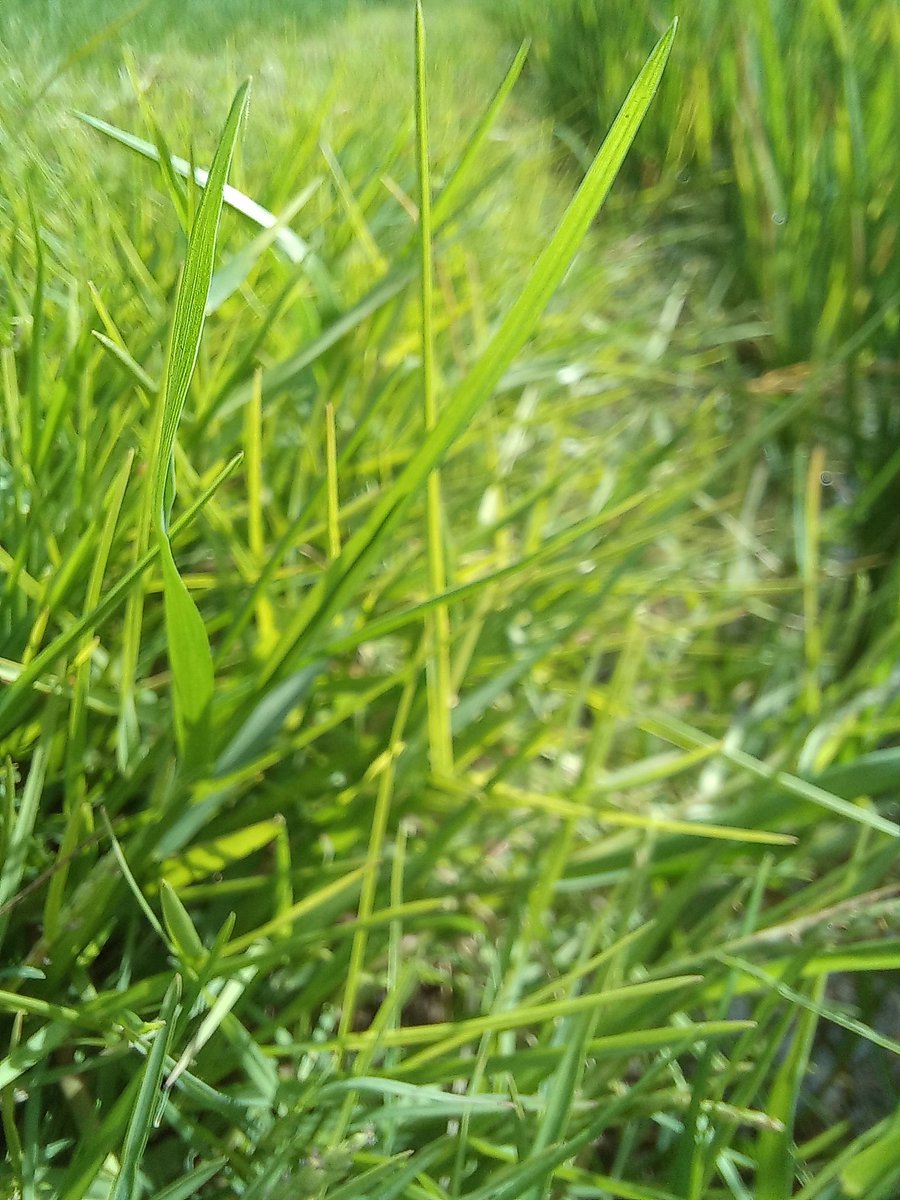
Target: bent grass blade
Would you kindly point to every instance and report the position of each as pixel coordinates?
(291, 245)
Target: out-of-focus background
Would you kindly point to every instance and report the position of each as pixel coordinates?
(542, 841)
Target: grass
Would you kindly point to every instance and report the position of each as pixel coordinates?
(780, 115)
(441, 754)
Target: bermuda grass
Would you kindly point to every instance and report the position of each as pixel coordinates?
(440, 755)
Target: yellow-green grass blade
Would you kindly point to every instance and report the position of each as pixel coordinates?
(453, 189)
(18, 838)
(874, 1166)
(437, 620)
(206, 858)
(77, 727)
(442, 1037)
(190, 311)
(540, 1058)
(681, 734)
(190, 1184)
(814, 1006)
(31, 427)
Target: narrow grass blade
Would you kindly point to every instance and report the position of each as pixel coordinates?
(190, 1184)
(15, 698)
(229, 277)
(225, 1001)
(812, 1006)
(18, 839)
(188, 645)
(776, 1156)
(684, 735)
(453, 188)
(437, 620)
(35, 1049)
(144, 1114)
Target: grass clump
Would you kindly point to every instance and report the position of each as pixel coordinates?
(454, 789)
(781, 116)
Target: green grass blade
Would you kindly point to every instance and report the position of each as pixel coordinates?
(14, 699)
(189, 1186)
(190, 657)
(146, 1107)
(437, 620)
(453, 188)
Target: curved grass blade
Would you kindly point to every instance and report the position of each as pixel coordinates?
(291, 245)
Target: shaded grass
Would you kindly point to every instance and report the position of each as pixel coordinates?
(578, 957)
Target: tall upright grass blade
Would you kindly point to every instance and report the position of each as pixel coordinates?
(189, 652)
(437, 620)
(144, 1114)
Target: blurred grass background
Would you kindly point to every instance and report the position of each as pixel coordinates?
(669, 539)
(782, 116)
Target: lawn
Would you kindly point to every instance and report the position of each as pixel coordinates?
(449, 618)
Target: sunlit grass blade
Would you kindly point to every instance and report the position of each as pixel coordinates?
(14, 700)
(437, 620)
(454, 187)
